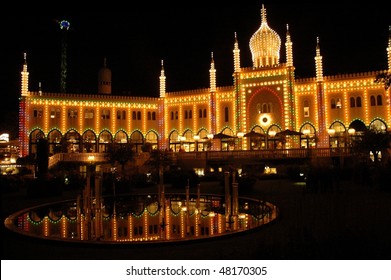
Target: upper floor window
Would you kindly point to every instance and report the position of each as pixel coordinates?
(306, 108)
(373, 100)
(105, 114)
(358, 101)
(89, 114)
(379, 100)
(38, 113)
(226, 117)
(72, 113)
(352, 102)
(55, 113)
(338, 105)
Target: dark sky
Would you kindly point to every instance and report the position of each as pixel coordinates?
(353, 38)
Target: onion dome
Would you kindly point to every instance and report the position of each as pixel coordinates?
(265, 44)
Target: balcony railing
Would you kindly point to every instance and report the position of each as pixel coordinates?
(214, 155)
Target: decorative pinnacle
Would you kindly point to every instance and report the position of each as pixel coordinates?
(263, 14)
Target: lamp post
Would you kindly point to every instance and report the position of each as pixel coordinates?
(351, 132)
(240, 136)
(196, 139)
(331, 133)
(272, 133)
(183, 139)
(210, 138)
(306, 133)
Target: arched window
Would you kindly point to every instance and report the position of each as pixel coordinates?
(124, 115)
(105, 114)
(149, 116)
(89, 114)
(172, 115)
(379, 100)
(226, 114)
(358, 101)
(306, 108)
(190, 114)
(118, 115)
(72, 113)
(186, 114)
(332, 102)
(352, 102)
(176, 115)
(264, 108)
(138, 115)
(373, 101)
(154, 116)
(338, 105)
(200, 113)
(204, 113)
(134, 115)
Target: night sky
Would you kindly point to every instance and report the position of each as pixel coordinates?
(353, 38)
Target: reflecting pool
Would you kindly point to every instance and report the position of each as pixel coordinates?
(157, 217)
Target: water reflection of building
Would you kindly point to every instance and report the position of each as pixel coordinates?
(265, 97)
(141, 220)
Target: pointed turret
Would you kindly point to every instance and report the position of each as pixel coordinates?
(212, 75)
(289, 50)
(162, 79)
(236, 52)
(25, 77)
(318, 63)
(389, 49)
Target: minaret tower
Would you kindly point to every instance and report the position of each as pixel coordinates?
(212, 75)
(104, 79)
(64, 26)
(162, 80)
(240, 122)
(161, 113)
(291, 122)
(236, 52)
(212, 81)
(25, 77)
(23, 111)
(288, 47)
(323, 141)
(389, 50)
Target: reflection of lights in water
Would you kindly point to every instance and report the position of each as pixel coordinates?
(139, 219)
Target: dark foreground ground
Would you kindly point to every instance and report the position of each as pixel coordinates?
(351, 222)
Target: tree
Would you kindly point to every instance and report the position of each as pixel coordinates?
(158, 161)
(374, 141)
(384, 78)
(120, 153)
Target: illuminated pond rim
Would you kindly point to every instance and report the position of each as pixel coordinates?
(142, 218)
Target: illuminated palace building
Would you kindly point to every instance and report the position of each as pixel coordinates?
(264, 101)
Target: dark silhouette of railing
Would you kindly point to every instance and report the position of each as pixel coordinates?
(215, 155)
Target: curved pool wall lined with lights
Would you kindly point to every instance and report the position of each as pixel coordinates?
(142, 218)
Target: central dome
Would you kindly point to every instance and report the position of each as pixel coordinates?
(265, 44)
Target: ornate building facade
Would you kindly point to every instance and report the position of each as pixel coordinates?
(265, 98)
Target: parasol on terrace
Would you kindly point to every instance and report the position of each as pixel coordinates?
(287, 132)
(253, 134)
(223, 136)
